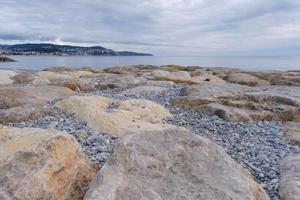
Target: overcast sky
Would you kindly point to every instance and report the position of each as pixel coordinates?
(161, 27)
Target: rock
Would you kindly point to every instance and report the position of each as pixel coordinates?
(291, 130)
(246, 79)
(6, 59)
(52, 77)
(81, 84)
(108, 81)
(206, 78)
(176, 76)
(113, 116)
(174, 68)
(6, 76)
(23, 78)
(135, 70)
(289, 183)
(172, 164)
(42, 164)
(71, 69)
(288, 78)
(243, 103)
(59, 77)
(20, 103)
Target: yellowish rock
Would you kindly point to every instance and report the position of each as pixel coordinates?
(113, 116)
(42, 164)
(172, 163)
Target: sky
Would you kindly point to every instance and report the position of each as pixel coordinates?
(161, 27)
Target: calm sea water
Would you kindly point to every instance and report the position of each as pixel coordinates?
(246, 63)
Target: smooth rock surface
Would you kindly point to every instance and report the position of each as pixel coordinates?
(20, 103)
(113, 116)
(246, 79)
(289, 184)
(176, 76)
(291, 130)
(42, 164)
(172, 164)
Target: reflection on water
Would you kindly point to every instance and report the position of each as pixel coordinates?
(247, 63)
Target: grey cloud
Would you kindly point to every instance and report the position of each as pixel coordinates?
(157, 26)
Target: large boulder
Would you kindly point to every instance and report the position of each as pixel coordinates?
(6, 76)
(172, 163)
(21, 103)
(291, 130)
(289, 183)
(42, 164)
(113, 116)
(243, 103)
(245, 79)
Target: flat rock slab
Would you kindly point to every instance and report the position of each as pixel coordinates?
(114, 116)
(19, 103)
(291, 130)
(289, 184)
(42, 164)
(172, 164)
(235, 102)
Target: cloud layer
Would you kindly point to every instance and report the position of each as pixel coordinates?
(162, 27)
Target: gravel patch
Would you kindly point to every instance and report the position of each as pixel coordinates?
(258, 146)
(163, 98)
(98, 146)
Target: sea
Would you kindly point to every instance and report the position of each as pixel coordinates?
(250, 63)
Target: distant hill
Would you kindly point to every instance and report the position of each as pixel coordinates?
(67, 50)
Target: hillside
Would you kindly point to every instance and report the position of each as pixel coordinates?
(63, 50)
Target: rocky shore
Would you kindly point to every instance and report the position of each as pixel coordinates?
(6, 59)
(149, 132)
